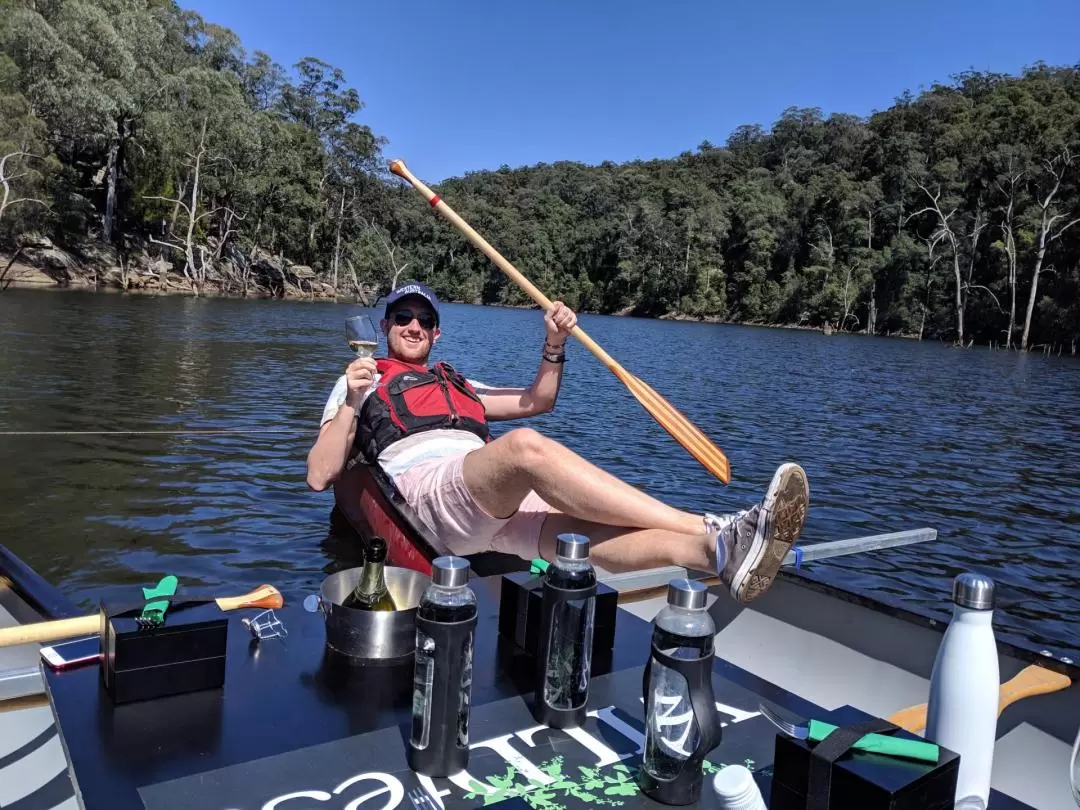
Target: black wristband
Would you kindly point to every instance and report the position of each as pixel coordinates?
(554, 358)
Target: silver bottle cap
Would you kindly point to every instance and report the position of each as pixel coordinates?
(975, 591)
(686, 593)
(573, 546)
(450, 572)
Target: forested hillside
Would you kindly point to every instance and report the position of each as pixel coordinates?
(143, 141)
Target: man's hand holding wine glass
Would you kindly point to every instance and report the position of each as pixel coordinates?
(359, 375)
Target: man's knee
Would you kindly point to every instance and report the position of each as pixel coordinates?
(527, 447)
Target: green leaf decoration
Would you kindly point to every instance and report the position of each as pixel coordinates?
(603, 787)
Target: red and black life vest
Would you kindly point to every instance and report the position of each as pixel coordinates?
(411, 399)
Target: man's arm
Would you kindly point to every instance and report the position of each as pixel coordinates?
(516, 403)
(327, 458)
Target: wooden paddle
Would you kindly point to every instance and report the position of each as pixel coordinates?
(265, 596)
(680, 428)
(1031, 680)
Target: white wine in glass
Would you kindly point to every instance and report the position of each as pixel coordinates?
(361, 335)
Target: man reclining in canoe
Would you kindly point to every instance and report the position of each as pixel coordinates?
(428, 429)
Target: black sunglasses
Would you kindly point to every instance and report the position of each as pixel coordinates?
(403, 317)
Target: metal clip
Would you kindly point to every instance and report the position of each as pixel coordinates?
(265, 625)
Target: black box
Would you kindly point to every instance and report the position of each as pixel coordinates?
(521, 599)
(185, 654)
(863, 780)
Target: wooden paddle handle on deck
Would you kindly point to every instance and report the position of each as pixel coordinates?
(56, 630)
(265, 596)
(1030, 681)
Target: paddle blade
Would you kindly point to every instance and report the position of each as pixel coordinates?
(1030, 681)
(681, 429)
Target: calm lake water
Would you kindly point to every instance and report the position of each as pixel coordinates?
(894, 435)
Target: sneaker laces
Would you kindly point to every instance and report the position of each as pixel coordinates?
(714, 524)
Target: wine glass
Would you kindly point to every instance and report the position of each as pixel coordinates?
(1074, 769)
(361, 335)
(363, 339)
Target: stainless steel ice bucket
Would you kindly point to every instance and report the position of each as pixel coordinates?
(370, 634)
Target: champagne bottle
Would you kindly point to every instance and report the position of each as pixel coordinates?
(371, 592)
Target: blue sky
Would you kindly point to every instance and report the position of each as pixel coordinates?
(467, 85)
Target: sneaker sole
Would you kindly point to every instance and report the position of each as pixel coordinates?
(781, 520)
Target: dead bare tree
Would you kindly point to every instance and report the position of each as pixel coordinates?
(7, 179)
(226, 229)
(931, 245)
(871, 310)
(1057, 167)
(826, 251)
(335, 263)
(847, 298)
(194, 270)
(391, 249)
(946, 233)
(361, 293)
(1008, 190)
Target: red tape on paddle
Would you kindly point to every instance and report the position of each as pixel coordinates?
(435, 200)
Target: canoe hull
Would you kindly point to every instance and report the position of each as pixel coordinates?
(33, 766)
(373, 507)
(371, 504)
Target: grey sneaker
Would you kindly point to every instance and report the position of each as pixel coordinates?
(757, 539)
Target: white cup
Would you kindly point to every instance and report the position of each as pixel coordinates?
(736, 789)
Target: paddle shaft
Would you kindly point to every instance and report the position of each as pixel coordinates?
(399, 168)
(265, 596)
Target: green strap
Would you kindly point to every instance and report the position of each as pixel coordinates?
(881, 743)
(157, 600)
(538, 566)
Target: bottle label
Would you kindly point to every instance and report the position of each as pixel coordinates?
(465, 692)
(566, 676)
(423, 681)
(671, 734)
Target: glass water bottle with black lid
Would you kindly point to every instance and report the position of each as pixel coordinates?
(442, 674)
(680, 711)
(566, 635)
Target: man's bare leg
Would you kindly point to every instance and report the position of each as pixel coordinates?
(746, 548)
(500, 474)
(617, 549)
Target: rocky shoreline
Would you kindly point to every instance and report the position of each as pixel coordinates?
(39, 264)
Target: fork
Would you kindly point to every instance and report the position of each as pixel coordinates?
(421, 800)
(816, 731)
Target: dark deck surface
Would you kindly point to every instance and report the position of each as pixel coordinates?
(282, 696)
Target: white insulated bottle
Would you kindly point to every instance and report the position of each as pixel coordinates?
(963, 711)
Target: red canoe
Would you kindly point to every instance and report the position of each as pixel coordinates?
(372, 505)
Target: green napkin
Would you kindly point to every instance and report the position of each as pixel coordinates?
(157, 601)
